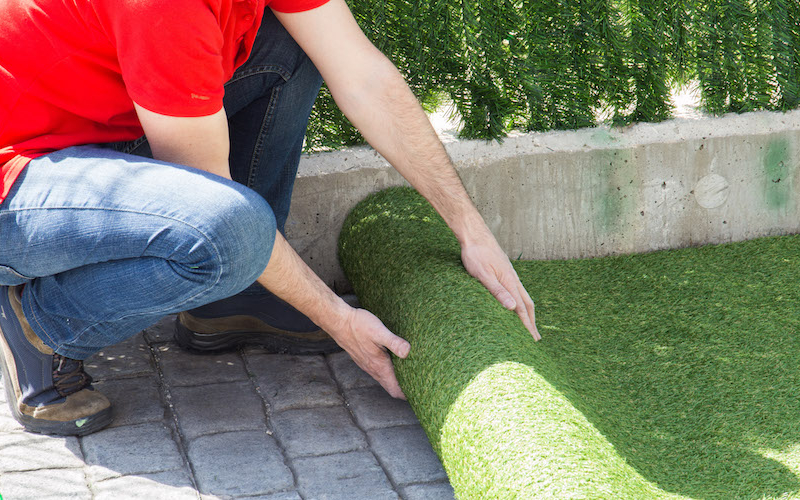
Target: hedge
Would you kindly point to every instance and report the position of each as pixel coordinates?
(555, 64)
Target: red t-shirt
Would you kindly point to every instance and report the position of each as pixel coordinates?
(71, 69)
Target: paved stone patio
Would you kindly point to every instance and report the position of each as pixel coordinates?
(238, 425)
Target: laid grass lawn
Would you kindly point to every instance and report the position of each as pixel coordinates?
(669, 374)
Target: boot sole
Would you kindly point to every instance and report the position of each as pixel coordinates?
(78, 427)
(275, 343)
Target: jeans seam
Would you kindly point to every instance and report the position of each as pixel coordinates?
(15, 272)
(272, 68)
(252, 176)
(85, 330)
(39, 324)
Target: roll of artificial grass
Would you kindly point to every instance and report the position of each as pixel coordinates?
(670, 374)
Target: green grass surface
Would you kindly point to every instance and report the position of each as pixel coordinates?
(670, 374)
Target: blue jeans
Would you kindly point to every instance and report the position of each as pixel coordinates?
(108, 241)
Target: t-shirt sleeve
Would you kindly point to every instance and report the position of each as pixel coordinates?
(289, 6)
(170, 54)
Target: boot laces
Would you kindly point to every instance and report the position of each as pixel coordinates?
(68, 375)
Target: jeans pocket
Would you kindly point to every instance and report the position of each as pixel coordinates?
(9, 276)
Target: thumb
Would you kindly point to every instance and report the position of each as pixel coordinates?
(397, 345)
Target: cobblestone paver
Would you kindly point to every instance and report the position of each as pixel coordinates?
(244, 424)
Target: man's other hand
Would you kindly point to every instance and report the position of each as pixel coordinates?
(366, 339)
(487, 262)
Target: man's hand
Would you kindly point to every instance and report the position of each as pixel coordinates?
(488, 263)
(357, 331)
(366, 339)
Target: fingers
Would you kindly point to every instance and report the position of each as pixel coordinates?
(378, 365)
(369, 351)
(491, 266)
(501, 294)
(527, 314)
(384, 369)
(523, 304)
(384, 374)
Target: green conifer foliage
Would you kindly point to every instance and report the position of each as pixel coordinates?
(733, 55)
(785, 20)
(562, 64)
(571, 66)
(650, 34)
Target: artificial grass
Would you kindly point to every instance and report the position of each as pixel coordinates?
(669, 374)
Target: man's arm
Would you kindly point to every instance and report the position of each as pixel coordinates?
(357, 331)
(202, 142)
(375, 98)
(199, 142)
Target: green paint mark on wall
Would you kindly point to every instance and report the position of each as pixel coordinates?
(618, 190)
(777, 173)
(603, 137)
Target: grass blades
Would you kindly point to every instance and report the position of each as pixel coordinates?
(670, 374)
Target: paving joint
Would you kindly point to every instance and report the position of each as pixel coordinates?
(85, 470)
(166, 399)
(354, 420)
(267, 408)
(39, 469)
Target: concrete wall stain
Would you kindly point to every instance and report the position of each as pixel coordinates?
(618, 191)
(603, 137)
(778, 170)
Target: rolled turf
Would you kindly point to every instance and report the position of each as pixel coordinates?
(670, 374)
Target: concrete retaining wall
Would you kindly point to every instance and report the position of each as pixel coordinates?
(589, 192)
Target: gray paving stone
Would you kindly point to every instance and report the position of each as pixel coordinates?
(22, 451)
(239, 464)
(347, 372)
(406, 454)
(134, 400)
(45, 484)
(294, 381)
(434, 491)
(170, 485)
(126, 359)
(133, 449)
(214, 408)
(183, 368)
(317, 431)
(343, 476)
(7, 422)
(162, 331)
(374, 408)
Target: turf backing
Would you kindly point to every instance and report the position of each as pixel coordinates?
(670, 374)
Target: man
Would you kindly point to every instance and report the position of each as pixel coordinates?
(98, 241)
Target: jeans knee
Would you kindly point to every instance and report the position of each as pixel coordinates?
(244, 236)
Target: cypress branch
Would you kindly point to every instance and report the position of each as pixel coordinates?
(543, 65)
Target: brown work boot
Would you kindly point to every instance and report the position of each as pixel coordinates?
(262, 320)
(47, 392)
